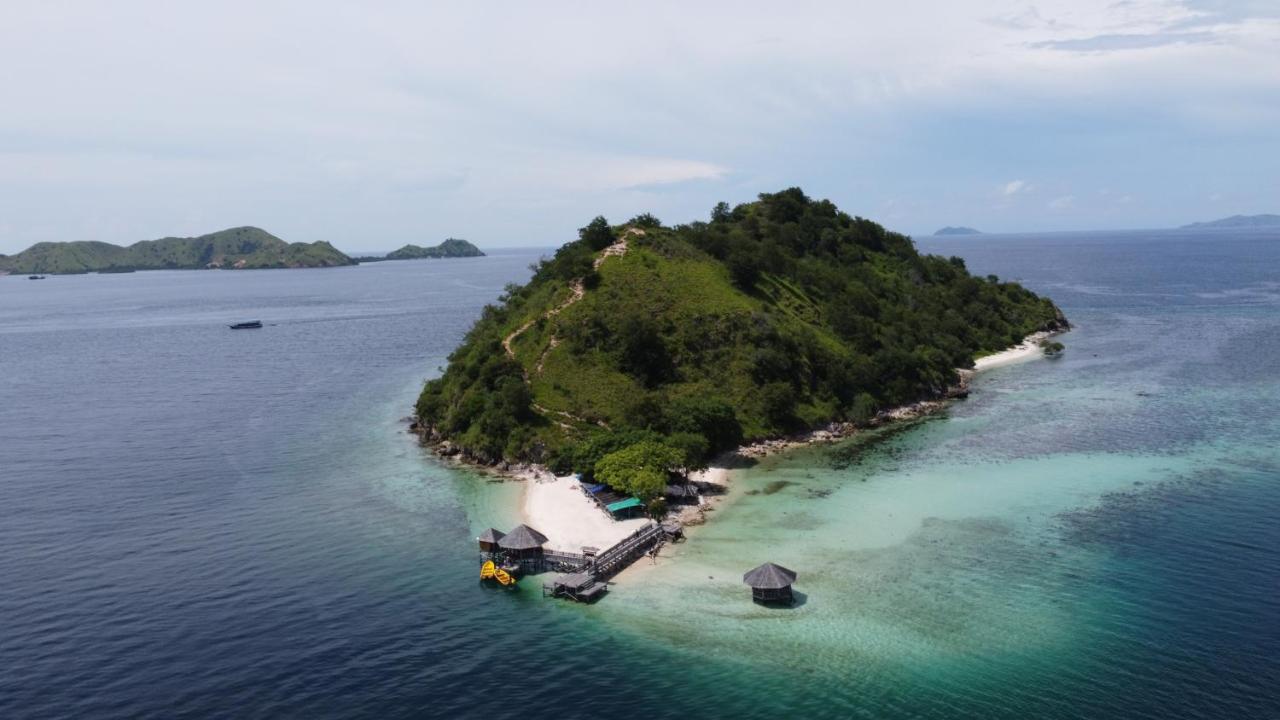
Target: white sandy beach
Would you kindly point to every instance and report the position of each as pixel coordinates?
(714, 475)
(557, 508)
(1029, 348)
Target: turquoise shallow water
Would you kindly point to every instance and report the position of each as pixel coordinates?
(199, 523)
(1093, 534)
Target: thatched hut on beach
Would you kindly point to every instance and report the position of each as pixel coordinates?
(770, 583)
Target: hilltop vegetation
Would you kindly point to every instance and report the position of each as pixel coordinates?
(669, 344)
(236, 248)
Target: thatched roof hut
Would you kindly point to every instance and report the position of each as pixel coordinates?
(770, 583)
(523, 539)
(489, 540)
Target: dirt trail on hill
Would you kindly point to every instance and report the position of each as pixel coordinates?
(619, 249)
(577, 294)
(578, 290)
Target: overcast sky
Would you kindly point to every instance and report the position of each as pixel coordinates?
(378, 123)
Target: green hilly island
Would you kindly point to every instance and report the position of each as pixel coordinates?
(235, 248)
(451, 248)
(956, 230)
(642, 348)
(1237, 222)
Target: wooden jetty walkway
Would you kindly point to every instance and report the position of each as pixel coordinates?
(590, 582)
(612, 561)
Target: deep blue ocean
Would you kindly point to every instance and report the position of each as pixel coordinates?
(204, 523)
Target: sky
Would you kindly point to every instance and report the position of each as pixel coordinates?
(374, 124)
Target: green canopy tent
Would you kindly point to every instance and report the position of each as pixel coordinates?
(626, 507)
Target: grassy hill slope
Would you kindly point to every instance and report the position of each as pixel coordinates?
(777, 315)
(243, 247)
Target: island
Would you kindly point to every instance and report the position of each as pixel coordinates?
(238, 248)
(450, 248)
(1237, 222)
(639, 352)
(958, 230)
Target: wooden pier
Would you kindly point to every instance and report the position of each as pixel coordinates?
(583, 587)
(612, 561)
(590, 582)
(548, 561)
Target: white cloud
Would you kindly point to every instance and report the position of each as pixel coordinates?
(631, 172)
(1014, 187)
(412, 119)
(1065, 202)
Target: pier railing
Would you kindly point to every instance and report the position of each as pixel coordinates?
(567, 561)
(546, 561)
(631, 547)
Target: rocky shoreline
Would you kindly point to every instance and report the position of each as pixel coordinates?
(829, 433)
(561, 516)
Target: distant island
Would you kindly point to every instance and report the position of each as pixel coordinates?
(1237, 221)
(643, 349)
(451, 248)
(959, 230)
(239, 248)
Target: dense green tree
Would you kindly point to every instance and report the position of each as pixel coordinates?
(643, 352)
(647, 413)
(597, 235)
(582, 457)
(645, 220)
(778, 402)
(694, 449)
(640, 469)
(863, 408)
(710, 417)
(744, 266)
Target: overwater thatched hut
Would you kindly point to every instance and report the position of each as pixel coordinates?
(770, 583)
(489, 540)
(523, 543)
